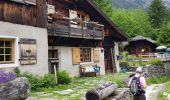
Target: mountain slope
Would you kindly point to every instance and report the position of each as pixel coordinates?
(129, 4)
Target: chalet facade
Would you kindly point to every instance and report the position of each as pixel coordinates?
(140, 45)
(23, 35)
(79, 33)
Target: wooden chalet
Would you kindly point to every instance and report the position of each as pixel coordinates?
(79, 33)
(23, 35)
(140, 45)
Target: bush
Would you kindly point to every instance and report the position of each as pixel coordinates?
(48, 80)
(155, 61)
(63, 77)
(38, 82)
(17, 71)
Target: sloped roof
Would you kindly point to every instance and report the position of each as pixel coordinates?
(106, 19)
(137, 38)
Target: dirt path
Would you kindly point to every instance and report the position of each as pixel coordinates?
(153, 90)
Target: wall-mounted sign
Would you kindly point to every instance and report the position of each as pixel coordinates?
(51, 9)
(32, 2)
(28, 51)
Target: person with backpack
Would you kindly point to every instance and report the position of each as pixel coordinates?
(137, 85)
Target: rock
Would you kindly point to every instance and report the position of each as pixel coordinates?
(17, 89)
(64, 92)
(168, 97)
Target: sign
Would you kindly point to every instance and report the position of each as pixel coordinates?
(32, 2)
(28, 51)
(51, 9)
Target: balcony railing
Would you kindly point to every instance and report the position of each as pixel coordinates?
(65, 27)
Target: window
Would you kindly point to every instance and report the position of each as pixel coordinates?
(6, 51)
(85, 54)
(52, 53)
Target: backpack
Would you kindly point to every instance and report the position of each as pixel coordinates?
(135, 86)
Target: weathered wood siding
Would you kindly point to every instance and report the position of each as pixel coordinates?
(138, 46)
(34, 15)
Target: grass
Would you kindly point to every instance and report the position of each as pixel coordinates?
(163, 94)
(158, 80)
(81, 85)
(161, 80)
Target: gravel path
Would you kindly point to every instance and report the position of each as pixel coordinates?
(152, 91)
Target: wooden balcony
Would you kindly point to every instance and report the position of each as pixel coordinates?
(65, 27)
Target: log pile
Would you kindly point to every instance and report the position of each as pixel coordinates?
(102, 92)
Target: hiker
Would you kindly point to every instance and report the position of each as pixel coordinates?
(137, 84)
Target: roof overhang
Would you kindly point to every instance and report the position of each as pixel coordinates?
(91, 7)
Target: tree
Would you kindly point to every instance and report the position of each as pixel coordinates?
(157, 13)
(132, 23)
(163, 37)
(106, 6)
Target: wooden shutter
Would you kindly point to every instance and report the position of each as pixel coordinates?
(96, 55)
(76, 55)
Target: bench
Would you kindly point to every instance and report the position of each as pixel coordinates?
(89, 70)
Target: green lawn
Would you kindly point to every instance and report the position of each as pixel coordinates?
(158, 80)
(79, 86)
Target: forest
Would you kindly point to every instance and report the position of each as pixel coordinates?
(153, 22)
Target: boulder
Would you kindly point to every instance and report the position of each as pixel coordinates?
(17, 89)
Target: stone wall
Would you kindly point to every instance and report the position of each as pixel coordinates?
(167, 68)
(155, 70)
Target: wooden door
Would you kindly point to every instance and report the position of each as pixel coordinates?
(108, 60)
(53, 61)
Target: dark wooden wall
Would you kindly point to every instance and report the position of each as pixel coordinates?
(137, 46)
(33, 15)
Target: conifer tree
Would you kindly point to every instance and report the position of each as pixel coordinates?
(157, 13)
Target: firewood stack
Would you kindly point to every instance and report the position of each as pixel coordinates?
(103, 91)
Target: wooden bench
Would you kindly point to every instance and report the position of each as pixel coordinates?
(89, 70)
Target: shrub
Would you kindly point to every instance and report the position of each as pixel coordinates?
(6, 76)
(155, 61)
(48, 80)
(17, 71)
(63, 77)
(38, 82)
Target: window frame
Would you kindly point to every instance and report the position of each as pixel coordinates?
(4, 47)
(85, 55)
(16, 52)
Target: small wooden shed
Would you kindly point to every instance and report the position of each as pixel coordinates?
(141, 45)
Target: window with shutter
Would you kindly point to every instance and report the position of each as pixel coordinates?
(96, 55)
(85, 54)
(76, 55)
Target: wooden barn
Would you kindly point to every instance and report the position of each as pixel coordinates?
(23, 36)
(140, 45)
(80, 34)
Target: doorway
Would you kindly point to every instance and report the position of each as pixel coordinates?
(109, 60)
(53, 61)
